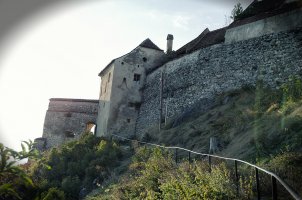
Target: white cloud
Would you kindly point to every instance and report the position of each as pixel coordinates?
(181, 21)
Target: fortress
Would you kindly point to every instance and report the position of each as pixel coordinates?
(142, 88)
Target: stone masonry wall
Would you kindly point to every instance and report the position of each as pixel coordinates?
(203, 74)
(67, 119)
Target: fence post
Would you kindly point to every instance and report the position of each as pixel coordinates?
(274, 188)
(237, 177)
(257, 184)
(189, 158)
(210, 163)
(176, 155)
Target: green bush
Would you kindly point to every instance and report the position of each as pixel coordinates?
(154, 175)
(53, 193)
(77, 165)
(292, 89)
(196, 182)
(265, 97)
(288, 166)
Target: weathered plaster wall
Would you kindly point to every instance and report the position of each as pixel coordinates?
(278, 23)
(66, 119)
(126, 95)
(104, 100)
(199, 76)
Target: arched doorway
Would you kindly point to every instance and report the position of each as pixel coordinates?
(90, 128)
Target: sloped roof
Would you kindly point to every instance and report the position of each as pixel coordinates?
(186, 47)
(147, 43)
(205, 39)
(263, 9)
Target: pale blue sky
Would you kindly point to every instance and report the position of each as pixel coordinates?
(60, 51)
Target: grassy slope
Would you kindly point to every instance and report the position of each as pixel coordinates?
(243, 130)
(250, 124)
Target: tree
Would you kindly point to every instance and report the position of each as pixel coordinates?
(11, 175)
(237, 10)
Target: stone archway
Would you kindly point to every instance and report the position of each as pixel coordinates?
(90, 127)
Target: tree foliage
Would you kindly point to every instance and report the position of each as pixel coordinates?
(237, 10)
(77, 165)
(154, 175)
(15, 183)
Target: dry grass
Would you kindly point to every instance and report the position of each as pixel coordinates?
(242, 132)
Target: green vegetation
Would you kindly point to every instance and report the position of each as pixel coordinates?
(15, 183)
(236, 12)
(253, 123)
(60, 173)
(257, 124)
(77, 167)
(154, 175)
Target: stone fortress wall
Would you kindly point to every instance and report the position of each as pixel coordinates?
(205, 73)
(67, 119)
(266, 46)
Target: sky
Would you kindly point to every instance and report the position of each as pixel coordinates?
(57, 51)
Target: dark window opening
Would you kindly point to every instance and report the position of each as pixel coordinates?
(67, 115)
(134, 105)
(144, 59)
(69, 134)
(122, 63)
(137, 65)
(128, 120)
(172, 94)
(136, 77)
(124, 79)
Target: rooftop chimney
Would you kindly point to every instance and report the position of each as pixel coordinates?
(169, 43)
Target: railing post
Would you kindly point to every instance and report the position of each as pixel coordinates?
(210, 163)
(237, 177)
(176, 155)
(274, 188)
(257, 184)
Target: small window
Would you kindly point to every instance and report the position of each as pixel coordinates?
(135, 105)
(124, 79)
(137, 65)
(144, 59)
(122, 63)
(136, 77)
(69, 134)
(128, 120)
(67, 115)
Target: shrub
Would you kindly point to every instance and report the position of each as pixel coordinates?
(292, 89)
(154, 175)
(196, 182)
(288, 166)
(77, 165)
(53, 193)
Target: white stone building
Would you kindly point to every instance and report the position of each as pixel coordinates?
(122, 82)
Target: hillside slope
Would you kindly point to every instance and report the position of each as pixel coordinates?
(249, 123)
(256, 124)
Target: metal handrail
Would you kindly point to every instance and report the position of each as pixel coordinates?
(273, 175)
